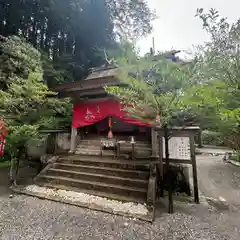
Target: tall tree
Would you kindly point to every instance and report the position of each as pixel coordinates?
(132, 18)
(153, 87)
(152, 93)
(73, 33)
(26, 104)
(217, 71)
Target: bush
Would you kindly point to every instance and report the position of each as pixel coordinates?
(236, 156)
(7, 154)
(212, 138)
(230, 128)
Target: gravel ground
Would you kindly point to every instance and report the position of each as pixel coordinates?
(23, 218)
(86, 199)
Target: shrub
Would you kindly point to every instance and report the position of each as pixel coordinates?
(212, 138)
(236, 156)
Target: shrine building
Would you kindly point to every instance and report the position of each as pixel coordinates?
(111, 154)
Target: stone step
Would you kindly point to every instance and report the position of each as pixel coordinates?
(95, 152)
(107, 159)
(97, 177)
(97, 143)
(139, 153)
(88, 147)
(95, 193)
(87, 151)
(94, 186)
(127, 140)
(108, 162)
(144, 175)
(124, 146)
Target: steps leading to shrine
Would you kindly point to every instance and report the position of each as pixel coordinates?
(93, 147)
(97, 142)
(97, 177)
(106, 161)
(118, 172)
(124, 180)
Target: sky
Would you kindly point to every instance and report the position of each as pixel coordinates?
(178, 28)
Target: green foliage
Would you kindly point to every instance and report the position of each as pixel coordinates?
(124, 51)
(236, 156)
(4, 164)
(216, 96)
(132, 18)
(16, 57)
(26, 104)
(212, 138)
(153, 87)
(205, 101)
(72, 33)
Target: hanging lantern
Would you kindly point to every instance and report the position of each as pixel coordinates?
(110, 134)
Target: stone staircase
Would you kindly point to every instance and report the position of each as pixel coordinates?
(125, 180)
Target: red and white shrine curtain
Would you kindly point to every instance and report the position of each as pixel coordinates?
(88, 113)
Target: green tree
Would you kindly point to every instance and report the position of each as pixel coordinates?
(153, 87)
(216, 96)
(132, 18)
(125, 51)
(152, 93)
(26, 104)
(73, 33)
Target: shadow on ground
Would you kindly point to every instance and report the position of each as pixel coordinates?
(25, 176)
(4, 181)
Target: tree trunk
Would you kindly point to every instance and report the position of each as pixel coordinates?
(11, 172)
(15, 163)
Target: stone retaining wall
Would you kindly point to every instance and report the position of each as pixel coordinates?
(56, 142)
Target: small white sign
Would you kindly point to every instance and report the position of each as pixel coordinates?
(179, 148)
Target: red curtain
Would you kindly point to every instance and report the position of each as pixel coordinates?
(88, 113)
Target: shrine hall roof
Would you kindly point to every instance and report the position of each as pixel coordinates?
(97, 78)
(102, 73)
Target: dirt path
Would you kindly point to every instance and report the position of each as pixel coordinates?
(219, 180)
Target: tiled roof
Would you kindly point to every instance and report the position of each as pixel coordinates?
(102, 73)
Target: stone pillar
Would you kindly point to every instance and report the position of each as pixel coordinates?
(73, 140)
(154, 143)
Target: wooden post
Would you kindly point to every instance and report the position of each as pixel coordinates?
(154, 143)
(200, 143)
(133, 151)
(118, 150)
(160, 164)
(168, 171)
(73, 140)
(194, 169)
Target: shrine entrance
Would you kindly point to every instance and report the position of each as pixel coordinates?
(120, 130)
(106, 119)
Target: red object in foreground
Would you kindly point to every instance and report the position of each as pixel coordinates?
(3, 133)
(85, 114)
(2, 144)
